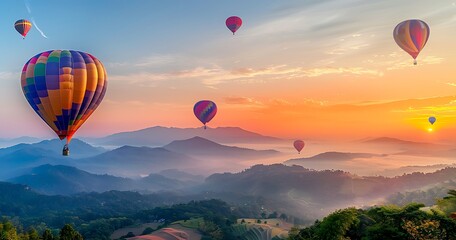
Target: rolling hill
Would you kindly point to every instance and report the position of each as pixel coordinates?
(78, 148)
(313, 192)
(130, 161)
(332, 156)
(66, 180)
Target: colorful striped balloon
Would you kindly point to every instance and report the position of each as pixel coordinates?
(64, 88)
(411, 36)
(299, 145)
(205, 110)
(233, 23)
(23, 26)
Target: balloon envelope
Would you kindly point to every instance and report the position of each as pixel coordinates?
(205, 110)
(233, 23)
(23, 26)
(299, 145)
(432, 120)
(64, 88)
(411, 36)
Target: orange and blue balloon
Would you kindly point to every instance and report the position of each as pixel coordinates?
(233, 23)
(299, 145)
(64, 88)
(432, 120)
(411, 36)
(23, 26)
(205, 110)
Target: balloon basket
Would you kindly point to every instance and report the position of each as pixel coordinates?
(66, 150)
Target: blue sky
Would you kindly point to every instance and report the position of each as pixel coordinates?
(162, 56)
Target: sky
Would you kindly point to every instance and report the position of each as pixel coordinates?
(320, 69)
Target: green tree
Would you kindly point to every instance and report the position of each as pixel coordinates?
(8, 231)
(47, 235)
(33, 234)
(148, 230)
(448, 203)
(273, 215)
(68, 233)
(336, 225)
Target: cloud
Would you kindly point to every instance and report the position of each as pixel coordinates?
(316, 72)
(37, 28)
(243, 101)
(452, 84)
(8, 75)
(156, 60)
(401, 64)
(216, 75)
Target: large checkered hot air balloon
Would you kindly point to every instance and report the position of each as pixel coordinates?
(64, 88)
(205, 110)
(411, 36)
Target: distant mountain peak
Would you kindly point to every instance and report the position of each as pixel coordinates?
(159, 136)
(193, 142)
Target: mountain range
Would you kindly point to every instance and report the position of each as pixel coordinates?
(401, 147)
(159, 136)
(7, 142)
(196, 155)
(66, 180)
(332, 156)
(201, 147)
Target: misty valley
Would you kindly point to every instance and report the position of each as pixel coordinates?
(210, 184)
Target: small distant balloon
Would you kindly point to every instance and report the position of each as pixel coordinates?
(23, 27)
(299, 145)
(205, 110)
(432, 120)
(411, 36)
(233, 23)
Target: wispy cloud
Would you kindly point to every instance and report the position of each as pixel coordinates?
(8, 75)
(316, 72)
(29, 10)
(38, 28)
(452, 84)
(217, 75)
(243, 101)
(401, 64)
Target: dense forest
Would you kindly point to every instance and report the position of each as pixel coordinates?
(412, 221)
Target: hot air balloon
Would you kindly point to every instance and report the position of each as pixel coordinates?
(411, 36)
(299, 145)
(23, 26)
(432, 120)
(205, 110)
(64, 88)
(233, 23)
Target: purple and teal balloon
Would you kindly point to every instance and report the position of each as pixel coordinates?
(432, 120)
(205, 110)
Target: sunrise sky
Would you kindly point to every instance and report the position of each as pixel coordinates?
(315, 69)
